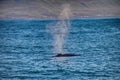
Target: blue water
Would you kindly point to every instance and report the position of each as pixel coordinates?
(26, 51)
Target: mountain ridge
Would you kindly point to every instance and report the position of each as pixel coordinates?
(42, 9)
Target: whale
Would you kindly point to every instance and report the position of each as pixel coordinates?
(66, 55)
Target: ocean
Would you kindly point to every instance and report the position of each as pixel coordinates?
(26, 50)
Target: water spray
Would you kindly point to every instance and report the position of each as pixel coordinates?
(60, 30)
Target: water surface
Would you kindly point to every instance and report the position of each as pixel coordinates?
(26, 51)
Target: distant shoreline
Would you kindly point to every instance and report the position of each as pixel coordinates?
(58, 18)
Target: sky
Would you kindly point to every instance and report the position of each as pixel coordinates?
(42, 9)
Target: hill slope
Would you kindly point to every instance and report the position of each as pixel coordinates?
(30, 9)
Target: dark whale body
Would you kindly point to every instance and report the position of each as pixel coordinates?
(66, 55)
